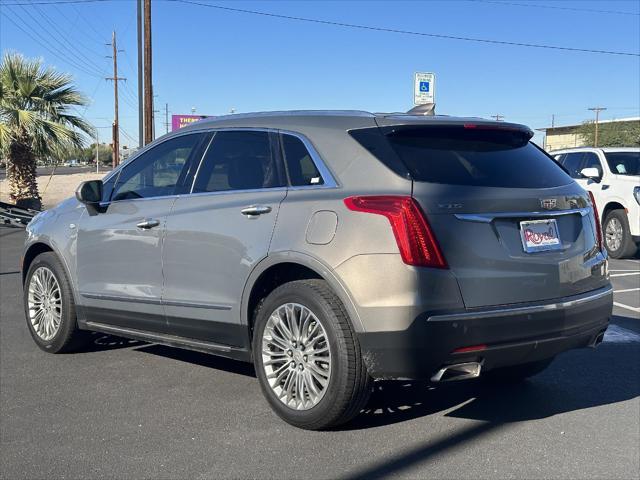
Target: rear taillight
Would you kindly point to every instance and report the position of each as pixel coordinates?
(597, 220)
(417, 244)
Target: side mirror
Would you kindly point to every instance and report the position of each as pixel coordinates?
(591, 172)
(90, 193)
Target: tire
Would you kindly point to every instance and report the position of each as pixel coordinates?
(348, 385)
(66, 336)
(516, 373)
(616, 223)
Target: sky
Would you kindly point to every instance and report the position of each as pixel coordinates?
(216, 60)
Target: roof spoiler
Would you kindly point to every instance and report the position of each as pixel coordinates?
(426, 109)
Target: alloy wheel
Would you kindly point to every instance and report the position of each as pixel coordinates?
(296, 356)
(614, 234)
(45, 303)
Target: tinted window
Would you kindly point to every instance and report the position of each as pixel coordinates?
(302, 170)
(238, 160)
(156, 172)
(572, 163)
(624, 163)
(591, 160)
(475, 156)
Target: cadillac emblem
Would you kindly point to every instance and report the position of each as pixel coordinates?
(548, 203)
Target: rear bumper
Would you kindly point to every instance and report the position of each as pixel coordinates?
(510, 335)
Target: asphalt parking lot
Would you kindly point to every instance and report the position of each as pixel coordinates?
(132, 410)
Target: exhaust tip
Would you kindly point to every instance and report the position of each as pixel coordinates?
(459, 371)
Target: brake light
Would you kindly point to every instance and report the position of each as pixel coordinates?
(416, 242)
(597, 220)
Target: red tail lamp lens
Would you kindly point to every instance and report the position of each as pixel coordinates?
(418, 246)
(597, 219)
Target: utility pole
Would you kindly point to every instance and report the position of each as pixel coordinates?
(498, 117)
(116, 125)
(140, 81)
(597, 110)
(148, 87)
(553, 120)
(166, 118)
(97, 152)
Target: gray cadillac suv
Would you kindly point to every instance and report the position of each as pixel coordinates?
(330, 249)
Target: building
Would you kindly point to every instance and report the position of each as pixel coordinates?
(567, 136)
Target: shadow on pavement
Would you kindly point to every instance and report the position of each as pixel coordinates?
(577, 380)
(202, 359)
(99, 342)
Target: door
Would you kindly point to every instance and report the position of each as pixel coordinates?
(120, 249)
(218, 233)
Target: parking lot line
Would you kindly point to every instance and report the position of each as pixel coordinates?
(628, 307)
(627, 290)
(615, 270)
(625, 274)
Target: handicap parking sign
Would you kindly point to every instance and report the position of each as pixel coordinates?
(424, 88)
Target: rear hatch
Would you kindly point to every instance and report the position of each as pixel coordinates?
(512, 225)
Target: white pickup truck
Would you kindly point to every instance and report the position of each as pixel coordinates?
(612, 175)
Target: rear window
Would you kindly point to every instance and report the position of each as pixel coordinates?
(468, 156)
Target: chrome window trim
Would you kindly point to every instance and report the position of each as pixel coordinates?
(144, 149)
(327, 176)
(489, 217)
(231, 192)
(149, 146)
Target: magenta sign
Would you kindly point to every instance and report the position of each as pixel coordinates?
(179, 121)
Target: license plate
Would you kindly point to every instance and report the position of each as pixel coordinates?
(540, 235)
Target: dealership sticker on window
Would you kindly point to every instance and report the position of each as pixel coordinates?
(540, 235)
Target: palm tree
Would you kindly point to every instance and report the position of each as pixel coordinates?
(35, 122)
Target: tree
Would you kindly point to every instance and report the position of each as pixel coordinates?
(612, 134)
(35, 122)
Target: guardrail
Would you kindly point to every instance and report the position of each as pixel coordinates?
(14, 215)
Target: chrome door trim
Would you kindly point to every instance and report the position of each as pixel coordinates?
(489, 217)
(153, 301)
(506, 311)
(210, 306)
(119, 298)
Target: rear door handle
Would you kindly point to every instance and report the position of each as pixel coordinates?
(148, 223)
(255, 210)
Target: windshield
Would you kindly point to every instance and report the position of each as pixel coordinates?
(624, 163)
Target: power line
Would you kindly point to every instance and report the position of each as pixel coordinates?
(555, 7)
(50, 48)
(58, 44)
(406, 32)
(74, 48)
(56, 2)
(99, 37)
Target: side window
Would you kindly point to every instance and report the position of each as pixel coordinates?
(302, 170)
(238, 160)
(572, 163)
(591, 160)
(156, 172)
